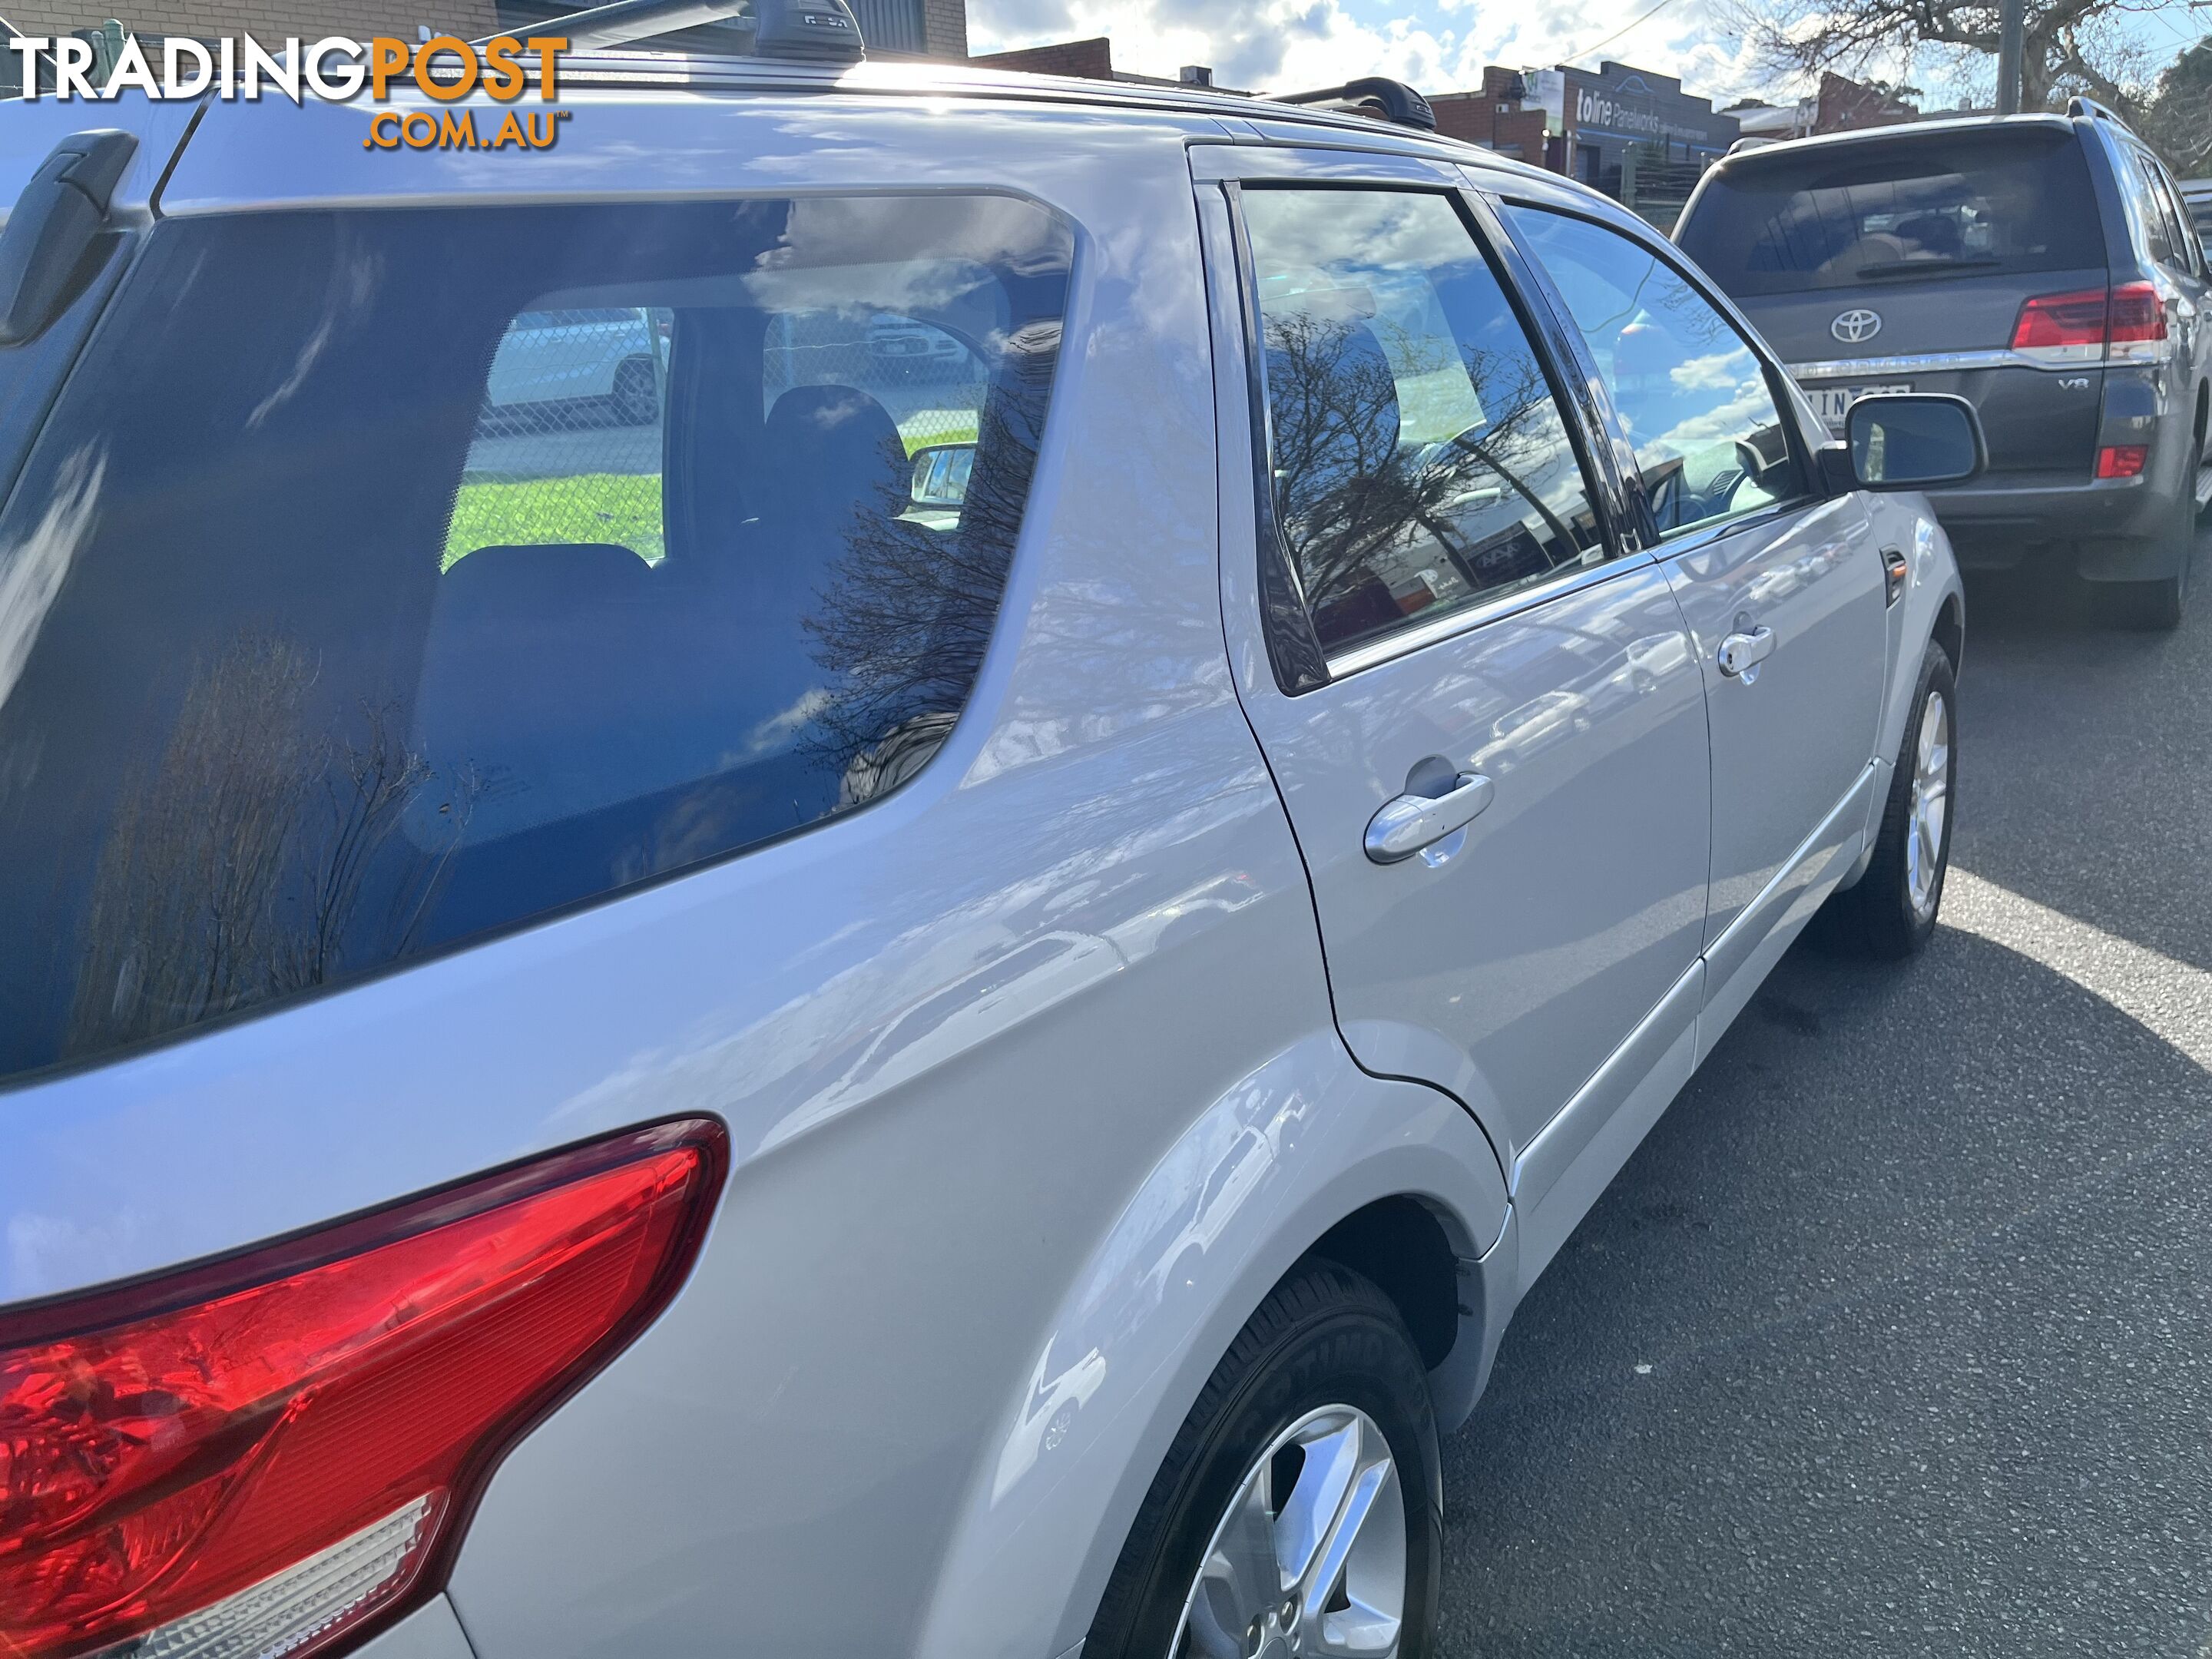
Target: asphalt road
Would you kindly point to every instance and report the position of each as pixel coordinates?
(1895, 1337)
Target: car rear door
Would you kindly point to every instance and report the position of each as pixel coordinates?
(1903, 262)
(1783, 589)
(1478, 701)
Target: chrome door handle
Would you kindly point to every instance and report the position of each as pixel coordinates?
(1741, 653)
(1403, 826)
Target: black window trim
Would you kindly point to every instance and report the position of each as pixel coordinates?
(1290, 629)
(1779, 387)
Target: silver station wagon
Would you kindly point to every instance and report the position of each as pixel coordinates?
(795, 1008)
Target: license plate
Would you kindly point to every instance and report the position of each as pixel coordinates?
(1833, 400)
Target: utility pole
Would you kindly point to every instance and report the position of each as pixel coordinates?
(2012, 22)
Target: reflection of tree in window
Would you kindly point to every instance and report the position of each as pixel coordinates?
(1379, 531)
(258, 857)
(902, 622)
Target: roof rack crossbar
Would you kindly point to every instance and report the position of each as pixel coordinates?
(1394, 101)
(823, 31)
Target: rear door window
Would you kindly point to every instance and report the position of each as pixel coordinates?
(1915, 208)
(383, 580)
(1420, 463)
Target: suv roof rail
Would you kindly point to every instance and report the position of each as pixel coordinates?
(2078, 106)
(1394, 101)
(818, 31)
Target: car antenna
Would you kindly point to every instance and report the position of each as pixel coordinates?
(813, 31)
(1392, 100)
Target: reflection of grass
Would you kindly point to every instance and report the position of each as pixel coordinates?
(621, 508)
(938, 426)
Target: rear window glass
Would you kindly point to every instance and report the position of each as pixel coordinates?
(1957, 205)
(382, 578)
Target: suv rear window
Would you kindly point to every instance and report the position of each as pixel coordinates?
(1937, 205)
(384, 579)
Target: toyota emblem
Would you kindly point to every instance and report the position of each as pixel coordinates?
(1853, 326)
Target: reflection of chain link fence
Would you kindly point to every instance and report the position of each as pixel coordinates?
(930, 383)
(568, 444)
(567, 447)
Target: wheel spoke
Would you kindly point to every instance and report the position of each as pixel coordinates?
(1360, 1507)
(1310, 1511)
(1242, 1575)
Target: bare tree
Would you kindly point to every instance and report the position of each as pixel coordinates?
(258, 856)
(2069, 45)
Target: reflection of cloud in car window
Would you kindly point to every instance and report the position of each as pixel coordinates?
(1721, 371)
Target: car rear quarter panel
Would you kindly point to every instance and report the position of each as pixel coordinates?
(1029, 1069)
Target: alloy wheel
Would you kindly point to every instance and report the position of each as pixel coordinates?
(1310, 1557)
(1931, 791)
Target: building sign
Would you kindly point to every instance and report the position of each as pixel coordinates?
(1631, 105)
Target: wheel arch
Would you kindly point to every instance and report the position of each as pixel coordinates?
(1309, 1157)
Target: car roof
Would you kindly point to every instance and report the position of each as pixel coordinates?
(1827, 143)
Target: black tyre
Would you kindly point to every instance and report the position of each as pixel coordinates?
(637, 393)
(1301, 1496)
(2157, 607)
(1891, 913)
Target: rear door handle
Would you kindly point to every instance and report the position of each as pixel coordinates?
(1403, 826)
(1740, 653)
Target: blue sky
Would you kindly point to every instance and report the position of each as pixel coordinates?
(1441, 45)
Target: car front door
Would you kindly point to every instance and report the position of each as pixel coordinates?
(1784, 591)
(1483, 716)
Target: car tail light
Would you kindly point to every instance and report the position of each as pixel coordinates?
(2122, 460)
(2137, 330)
(2126, 325)
(257, 1455)
(2063, 328)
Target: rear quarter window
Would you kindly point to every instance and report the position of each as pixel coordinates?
(384, 579)
(1927, 206)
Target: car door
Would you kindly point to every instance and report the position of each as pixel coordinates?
(2182, 267)
(1482, 714)
(1784, 590)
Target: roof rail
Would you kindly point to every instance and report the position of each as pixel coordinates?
(818, 31)
(1392, 100)
(2078, 106)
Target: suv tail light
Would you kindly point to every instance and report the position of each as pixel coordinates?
(2063, 328)
(2137, 330)
(256, 1455)
(2126, 325)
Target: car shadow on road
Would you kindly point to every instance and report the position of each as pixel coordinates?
(1889, 1339)
(2085, 769)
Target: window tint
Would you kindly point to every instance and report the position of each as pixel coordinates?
(1419, 461)
(2188, 252)
(1957, 204)
(2155, 235)
(1709, 440)
(470, 565)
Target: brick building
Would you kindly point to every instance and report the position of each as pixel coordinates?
(1501, 117)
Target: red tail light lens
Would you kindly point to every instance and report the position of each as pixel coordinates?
(2063, 327)
(2138, 325)
(2122, 460)
(2128, 323)
(256, 1455)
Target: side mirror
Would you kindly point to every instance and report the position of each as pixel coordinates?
(941, 472)
(1907, 441)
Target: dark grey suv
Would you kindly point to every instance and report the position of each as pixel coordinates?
(2040, 265)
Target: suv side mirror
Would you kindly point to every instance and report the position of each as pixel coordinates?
(941, 473)
(1906, 440)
